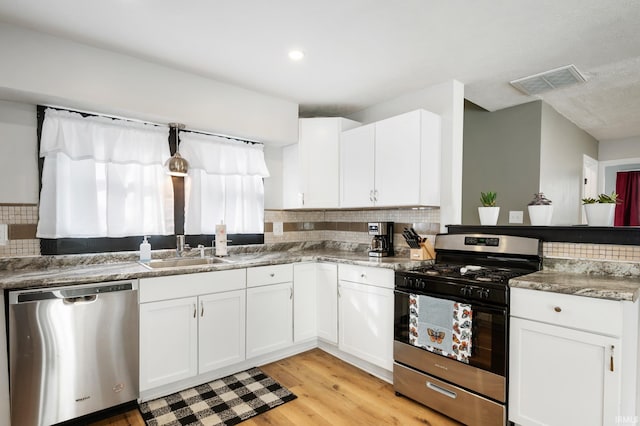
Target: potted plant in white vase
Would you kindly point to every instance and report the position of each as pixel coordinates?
(489, 211)
(601, 211)
(540, 210)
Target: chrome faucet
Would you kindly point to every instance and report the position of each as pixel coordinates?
(181, 247)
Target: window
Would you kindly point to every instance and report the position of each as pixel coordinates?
(103, 177)
(225, 184)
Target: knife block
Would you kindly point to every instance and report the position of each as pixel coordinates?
(425, 252)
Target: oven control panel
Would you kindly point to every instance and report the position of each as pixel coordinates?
(482, 241)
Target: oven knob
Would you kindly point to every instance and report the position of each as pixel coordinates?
(483, 293)
(422, 284)
(466, 291)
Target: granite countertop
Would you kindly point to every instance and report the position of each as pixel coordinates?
(75, 269)
(581, 284)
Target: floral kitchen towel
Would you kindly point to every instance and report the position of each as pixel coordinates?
(441, 326)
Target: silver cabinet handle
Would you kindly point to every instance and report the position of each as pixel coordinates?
(272, 275)
(557, 309)
(290, 293)
(375, 195)
(195, 310)
(363, 275)
(201, 308)
(339, 295)
(371, 195)
(442, 391)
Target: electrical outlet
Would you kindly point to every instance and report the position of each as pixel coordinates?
(4, 234)
(515, 216)
(277, 229)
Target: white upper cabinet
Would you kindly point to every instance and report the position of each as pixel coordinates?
(393, 162)
(317, 183)
(357, 158)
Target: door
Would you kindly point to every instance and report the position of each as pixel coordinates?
(327, 301)
(589, 181)
(366, 322)
(221, 330)
(560, 376)
(397, 160)
(357, 148)
(168, 341)
(304, 302)
(269, 318)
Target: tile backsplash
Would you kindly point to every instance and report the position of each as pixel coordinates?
(22, 221)
(348, 226)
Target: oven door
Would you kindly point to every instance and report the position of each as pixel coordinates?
(485, 372)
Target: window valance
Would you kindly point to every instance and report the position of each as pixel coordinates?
(217, 155)
(103, 139)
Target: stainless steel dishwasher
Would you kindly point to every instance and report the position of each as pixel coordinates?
(72, 351)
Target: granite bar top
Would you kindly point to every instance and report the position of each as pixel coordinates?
(580, 284)
(48, 271)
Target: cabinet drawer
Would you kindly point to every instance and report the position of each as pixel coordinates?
(578, 312)
(273, 274)
(177, 286)
(379, 277)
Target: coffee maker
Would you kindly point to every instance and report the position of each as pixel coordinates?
(382, 241)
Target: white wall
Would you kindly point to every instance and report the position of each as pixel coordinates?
(18, 156)
(619, 149)
(446, 99)
(562, 145)
(39, 68)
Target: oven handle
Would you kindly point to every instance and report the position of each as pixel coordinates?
(443, 391)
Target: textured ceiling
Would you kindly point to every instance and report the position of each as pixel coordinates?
(362, 52)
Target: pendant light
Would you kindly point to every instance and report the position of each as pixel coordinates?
(176, 165)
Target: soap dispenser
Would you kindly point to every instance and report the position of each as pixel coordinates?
(145, 250)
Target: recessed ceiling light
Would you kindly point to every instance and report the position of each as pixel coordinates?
(296, 55)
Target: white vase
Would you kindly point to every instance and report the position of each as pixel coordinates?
(488, 215)
(540, 215)
(600, 214)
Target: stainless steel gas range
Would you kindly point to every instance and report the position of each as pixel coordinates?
(451, 325)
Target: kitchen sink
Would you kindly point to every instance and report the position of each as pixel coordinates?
(183, 261)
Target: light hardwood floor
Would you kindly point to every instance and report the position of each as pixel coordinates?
(330, 392)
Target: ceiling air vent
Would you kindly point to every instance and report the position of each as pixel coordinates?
(549, 80)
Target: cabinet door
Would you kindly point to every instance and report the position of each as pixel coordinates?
(168, 341)
(291, 179)
(327, 301)
(269, 318)
(221, 330)
(366, 322)
(319, 161)
(397, 160)
(357, 167)
(304, 301)
(560, 376)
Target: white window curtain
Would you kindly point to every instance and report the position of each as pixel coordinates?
(224, 184)
(103, 178)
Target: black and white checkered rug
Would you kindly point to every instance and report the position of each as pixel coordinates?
(227, 401)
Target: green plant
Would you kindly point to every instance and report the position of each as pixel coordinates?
(612, 198)
(488, 199)
(540, 200)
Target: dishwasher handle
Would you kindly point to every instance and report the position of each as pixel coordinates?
(71, 294)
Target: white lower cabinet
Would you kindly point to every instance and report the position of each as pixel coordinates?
(269, 318)
(168, 342)
(327, 301)
(190, 324)
(304, 301)
(365, 311)
(269, 309)
(221, 330)
(559, 374)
